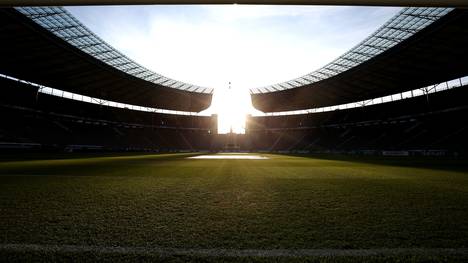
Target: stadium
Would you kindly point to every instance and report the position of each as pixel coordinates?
(362, 160)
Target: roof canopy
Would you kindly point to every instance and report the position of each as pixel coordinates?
(436, 53)
(49, 47)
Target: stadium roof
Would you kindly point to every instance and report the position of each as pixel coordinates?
(416, 48)
(47, 45)
(400, 27)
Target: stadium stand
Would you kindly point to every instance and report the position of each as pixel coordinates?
(431, 124)
(55, 123)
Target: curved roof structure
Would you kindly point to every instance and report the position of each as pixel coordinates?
(64, 25)
(416, 48)
(47, 45)
(400, 27)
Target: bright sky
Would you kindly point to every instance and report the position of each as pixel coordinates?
(249, 46)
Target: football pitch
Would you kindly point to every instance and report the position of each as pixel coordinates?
(275, 208)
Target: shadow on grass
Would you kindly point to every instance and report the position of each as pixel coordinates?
(18, 156)
(428, 162)
(83, 164)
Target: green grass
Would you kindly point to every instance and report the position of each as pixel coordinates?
(288, 202)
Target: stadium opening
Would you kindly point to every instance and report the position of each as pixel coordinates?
(214, 131)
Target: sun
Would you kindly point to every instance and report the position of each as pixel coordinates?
(232, 104)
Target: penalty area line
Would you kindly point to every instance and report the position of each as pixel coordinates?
(221, 252)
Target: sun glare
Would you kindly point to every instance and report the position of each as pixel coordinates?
(231, 109)
(232, 104)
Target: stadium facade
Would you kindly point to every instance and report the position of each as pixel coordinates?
(63, 88)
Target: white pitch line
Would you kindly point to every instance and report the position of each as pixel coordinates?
(221, 252)
(233, 153)
(225, 156)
